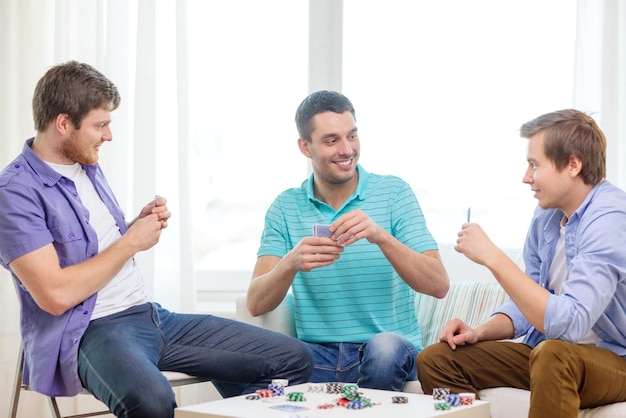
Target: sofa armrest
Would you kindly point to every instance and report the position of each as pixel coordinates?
(280, 319)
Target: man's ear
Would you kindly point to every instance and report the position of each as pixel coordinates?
(574, 166)
(303, 144)
(62, 123)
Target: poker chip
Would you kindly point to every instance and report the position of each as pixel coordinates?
(317, 388)
(334, 388)
(296, 397)
(264, 393)
(453, 399)
(442, 406)
(350, 392)
(253, 397)
(399, 399)
(366, 402)
(280, 382)
(356, 404)
(467, 398)
(439, 394)
(277, 390)
(326, 406)
(359, 403)
(341, 401)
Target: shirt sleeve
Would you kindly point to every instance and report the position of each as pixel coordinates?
(23, 225)
(275, 239)
(408, 221)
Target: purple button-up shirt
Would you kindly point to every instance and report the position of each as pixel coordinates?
(39, 206)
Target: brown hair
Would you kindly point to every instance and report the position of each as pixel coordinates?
(72, 88)
(320, 102)
(571, 132)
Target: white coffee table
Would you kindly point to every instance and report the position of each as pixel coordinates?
(418, 406)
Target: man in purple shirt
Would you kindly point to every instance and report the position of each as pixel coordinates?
(570, 304)
(87, 320)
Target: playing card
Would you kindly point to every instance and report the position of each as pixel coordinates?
(290, 408)
(322, 231)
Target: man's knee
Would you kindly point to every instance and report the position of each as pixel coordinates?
(430, 362)
(432, 355)
(301, 360)
(155, 401)
(388, 347)
(388, 342)
(549, 354)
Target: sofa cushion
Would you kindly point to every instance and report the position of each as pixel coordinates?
(281, 319)
(473, 302)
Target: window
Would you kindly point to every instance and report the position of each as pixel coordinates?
(248, 68)
(440, 89)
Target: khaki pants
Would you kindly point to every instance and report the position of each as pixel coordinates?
(562, 377)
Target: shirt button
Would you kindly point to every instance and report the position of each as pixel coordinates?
(16, 166)
(75, 340)
(71, 235)
(85, 312)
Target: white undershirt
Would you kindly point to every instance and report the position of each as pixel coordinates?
(558, 276)
(127, 288)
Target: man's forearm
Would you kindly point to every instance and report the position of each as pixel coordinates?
(424, 272)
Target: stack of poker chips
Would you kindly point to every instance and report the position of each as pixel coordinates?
(334, 387)
(440, 395)
(444, 400)
(442, 406)
(277, 388)
(274, 390)
(296, 397)
(350, 392)
(317, 388)
(467, 398)
(359, 403)
(453, 399)
(351, 397)
(264, 393)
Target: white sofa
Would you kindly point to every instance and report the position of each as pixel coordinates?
(473, 295)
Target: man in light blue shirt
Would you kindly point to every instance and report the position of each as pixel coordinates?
(570, 305)
(353, 289)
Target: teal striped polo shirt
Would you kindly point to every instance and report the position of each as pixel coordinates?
(359, 295)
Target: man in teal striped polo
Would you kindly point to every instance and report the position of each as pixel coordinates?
(354, 283)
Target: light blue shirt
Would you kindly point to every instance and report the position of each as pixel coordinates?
(39, 207)
(361, 294)
(594, 295)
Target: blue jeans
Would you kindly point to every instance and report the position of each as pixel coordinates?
(386, 361)
(121, 355)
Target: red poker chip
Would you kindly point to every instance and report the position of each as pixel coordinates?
(342, 401)
(265, 393)
(326, 406)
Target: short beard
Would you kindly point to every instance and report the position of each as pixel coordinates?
(71, 150)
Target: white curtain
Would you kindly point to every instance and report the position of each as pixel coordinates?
(142, 46)
(119, 37)
(600, 75)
